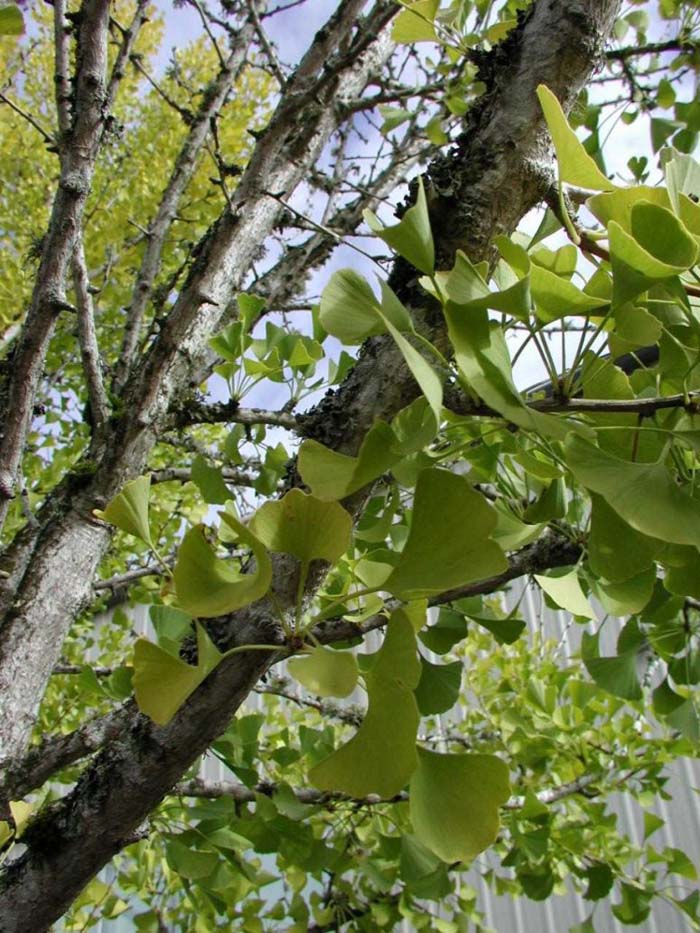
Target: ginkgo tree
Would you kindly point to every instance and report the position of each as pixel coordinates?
(355, 540)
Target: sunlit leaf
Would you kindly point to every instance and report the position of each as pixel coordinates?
(381, 756)
(415, 23)
(162, 681)
(454, 802)
(566, 592)
(449, 541)
(411, 237)
(326, 672)
(303, 526)
(207, 586)
(332, 475)
(576, 167)
(128, 510)
(629, 488)
(210, 482)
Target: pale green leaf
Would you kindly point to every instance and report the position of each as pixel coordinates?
(210, 482)
(424, 374)
(207, 586)
(381, 756)
(556, 297)
(162, 682)
(631, 489)
(415, 23)
(411, 237)
(454, 802)
(303, 526)
(566, 592)
(348, 308)
(11, 21)
(326, 672)
(449, 540)
(576, 167)
(331, 475)
(628, 596)
(128, 510)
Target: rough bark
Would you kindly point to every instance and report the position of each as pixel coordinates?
(50, 568)
(495, 175)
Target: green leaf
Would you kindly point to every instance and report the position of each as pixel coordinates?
(189, 863)
(415, 23)
(326, 672)
(566, 592)
(438, 687)
(634, 906)
(506, 631)
(207, 586)
(658, 247)
(652, 822)
(11, 21)
(556, 297)
(210, 482)
(618, 675)
(348, 308)
(450, 628)
(617, 205)
(162, 682)
(381, 756)
(628, 596)
(682, 177)
(449, 540)
(171, 625)
(454, 801)
(600, 881)
(576, 167)
(551, 504)
(483, 359)
(643, 494)
(331, 475)
(128, 510)
(424, 374)
(303, 526)
(411, 237)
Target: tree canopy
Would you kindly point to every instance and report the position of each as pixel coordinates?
(270, 331)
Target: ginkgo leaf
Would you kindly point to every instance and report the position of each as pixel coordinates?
(576, 167)
(454, 802)
(483, 359)
(11, 21)
(411, 237)
(210, 482)
(326, 672)
(303, 526)
(557, 297)
(381, 756)
(618, 675)
(424, 374)
(449, 541)
(348, 308)
(438, 688)
(162, 682)
(207, 586)
(616, 551)
(128, 510)
(566, 592)
(332, 475)
(628, 488)
(415, 23)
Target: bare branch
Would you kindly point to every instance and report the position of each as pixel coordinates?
(32, 121)
(230, 413)
(184, 168)
(89, 351)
